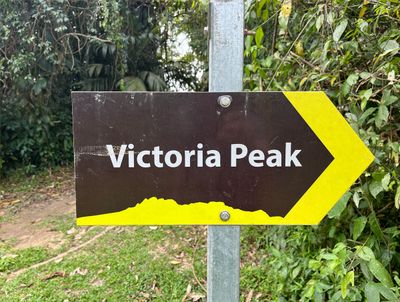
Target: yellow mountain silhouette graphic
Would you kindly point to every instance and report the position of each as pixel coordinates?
(153, 211)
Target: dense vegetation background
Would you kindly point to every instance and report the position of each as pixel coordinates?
(48, 48)
(350, 49)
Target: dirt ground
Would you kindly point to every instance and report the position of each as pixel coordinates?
(27, 214)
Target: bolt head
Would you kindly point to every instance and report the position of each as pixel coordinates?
(224, 215)
(224, 101)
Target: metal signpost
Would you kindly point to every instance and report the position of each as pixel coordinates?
(226, 30)
(222, 158)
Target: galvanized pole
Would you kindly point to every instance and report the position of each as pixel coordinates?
(226, 27)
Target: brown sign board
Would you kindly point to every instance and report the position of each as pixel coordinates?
(131, 148)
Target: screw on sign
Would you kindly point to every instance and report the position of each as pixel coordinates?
(224, 215)
(224, 100)
(263, 158)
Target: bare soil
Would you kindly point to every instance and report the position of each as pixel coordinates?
(26, 225)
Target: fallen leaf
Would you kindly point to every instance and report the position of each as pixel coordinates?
(54, 275)
(175, 262)
(249, 296)
(15, 201)
(71, 231)
(188, 291)
(153, 228)
(97, 282)
(79, 271)
(196, 297)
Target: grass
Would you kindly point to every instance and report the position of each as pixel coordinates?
(19, 182)
(125, 264)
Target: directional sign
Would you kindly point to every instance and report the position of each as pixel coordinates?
(211, 158)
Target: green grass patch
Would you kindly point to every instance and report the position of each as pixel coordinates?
(60, 223)
(127, 264)
(17, 181)
(12, 260)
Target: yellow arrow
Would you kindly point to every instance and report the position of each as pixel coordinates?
(351, 156)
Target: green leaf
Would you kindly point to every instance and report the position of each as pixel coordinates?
(356, 199)
(259, 36)
(365, 253)
(329, 256)
(314, 264)
(375, 187)
(388, 99)
(371, 292)
(365, 75)
(247, 42)
(375, 227)
(387, 292)
(319, 22)
(382, 116)
(366, 94)
(389, 45)
(134, 84)
(111, 49)
(95, 70)
(397, 198)
(386, 181)
(296, 272)
(352, 79)
(397, 279)
(275, 252)
(380, 272)
(366, 114)
(345, 88)
(348, 278)
(365, 270)
(152, 81)
(358, 226)
(91, 70)
(260, 7)
(339, 30)
(340, 206)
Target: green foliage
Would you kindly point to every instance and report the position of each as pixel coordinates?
(48, 49)
(349, 49)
